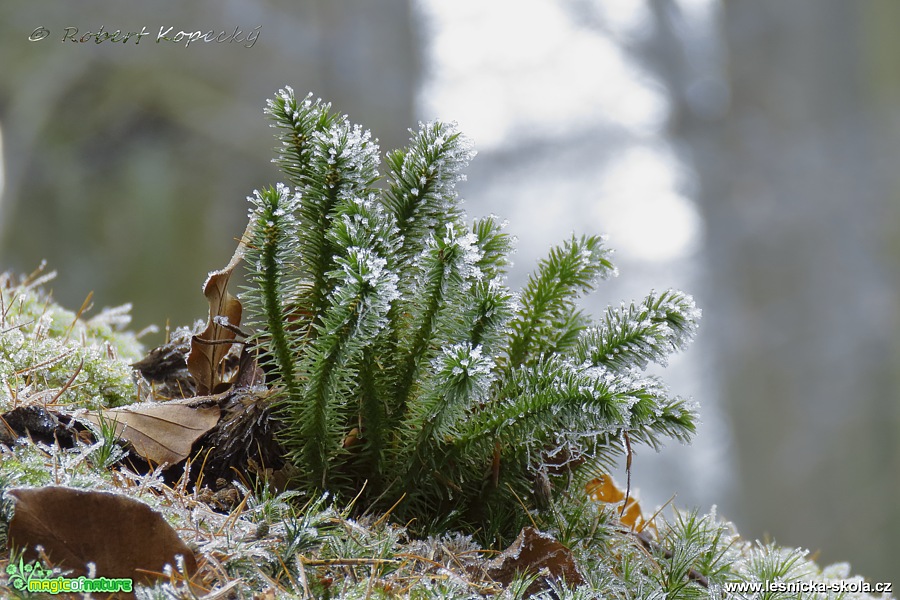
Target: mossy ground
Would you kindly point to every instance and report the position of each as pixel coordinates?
(263, 544)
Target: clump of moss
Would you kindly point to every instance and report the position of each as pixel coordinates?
(48, 350)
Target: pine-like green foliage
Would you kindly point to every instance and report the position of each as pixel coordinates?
(406, 367)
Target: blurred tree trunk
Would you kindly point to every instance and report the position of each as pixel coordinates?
(794, 143)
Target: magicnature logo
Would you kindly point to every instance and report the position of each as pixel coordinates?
(35, 577)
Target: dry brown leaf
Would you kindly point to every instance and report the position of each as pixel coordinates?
(165, 371)
(532, 552)
(123, 537)
(161, 432)
(209, 347)
(39, 424)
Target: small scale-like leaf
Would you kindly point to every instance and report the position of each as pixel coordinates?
(161, 432)
(123, 537)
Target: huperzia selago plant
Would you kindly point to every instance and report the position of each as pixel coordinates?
(402, 378)
(408, 374)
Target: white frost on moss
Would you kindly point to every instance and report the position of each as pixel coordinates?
(43, 346)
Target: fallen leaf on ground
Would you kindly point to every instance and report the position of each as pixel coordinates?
(165, 368)
(532, 552)
(37, 423)
(123, 537)
(160, 432)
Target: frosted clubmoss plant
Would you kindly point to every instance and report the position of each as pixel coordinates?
(406, 366)
(48, 349)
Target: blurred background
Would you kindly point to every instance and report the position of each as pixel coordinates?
(747, 152)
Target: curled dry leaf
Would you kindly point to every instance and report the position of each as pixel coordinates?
(39, 424)
(532, 552)
(165, 371)
(161, 432)
(210, 346)
(122, 536)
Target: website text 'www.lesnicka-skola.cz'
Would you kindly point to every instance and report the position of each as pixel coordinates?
(808, 587)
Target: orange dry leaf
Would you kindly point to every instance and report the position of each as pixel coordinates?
(604, 489)
(632, 517)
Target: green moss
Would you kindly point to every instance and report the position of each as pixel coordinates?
(48, 350)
